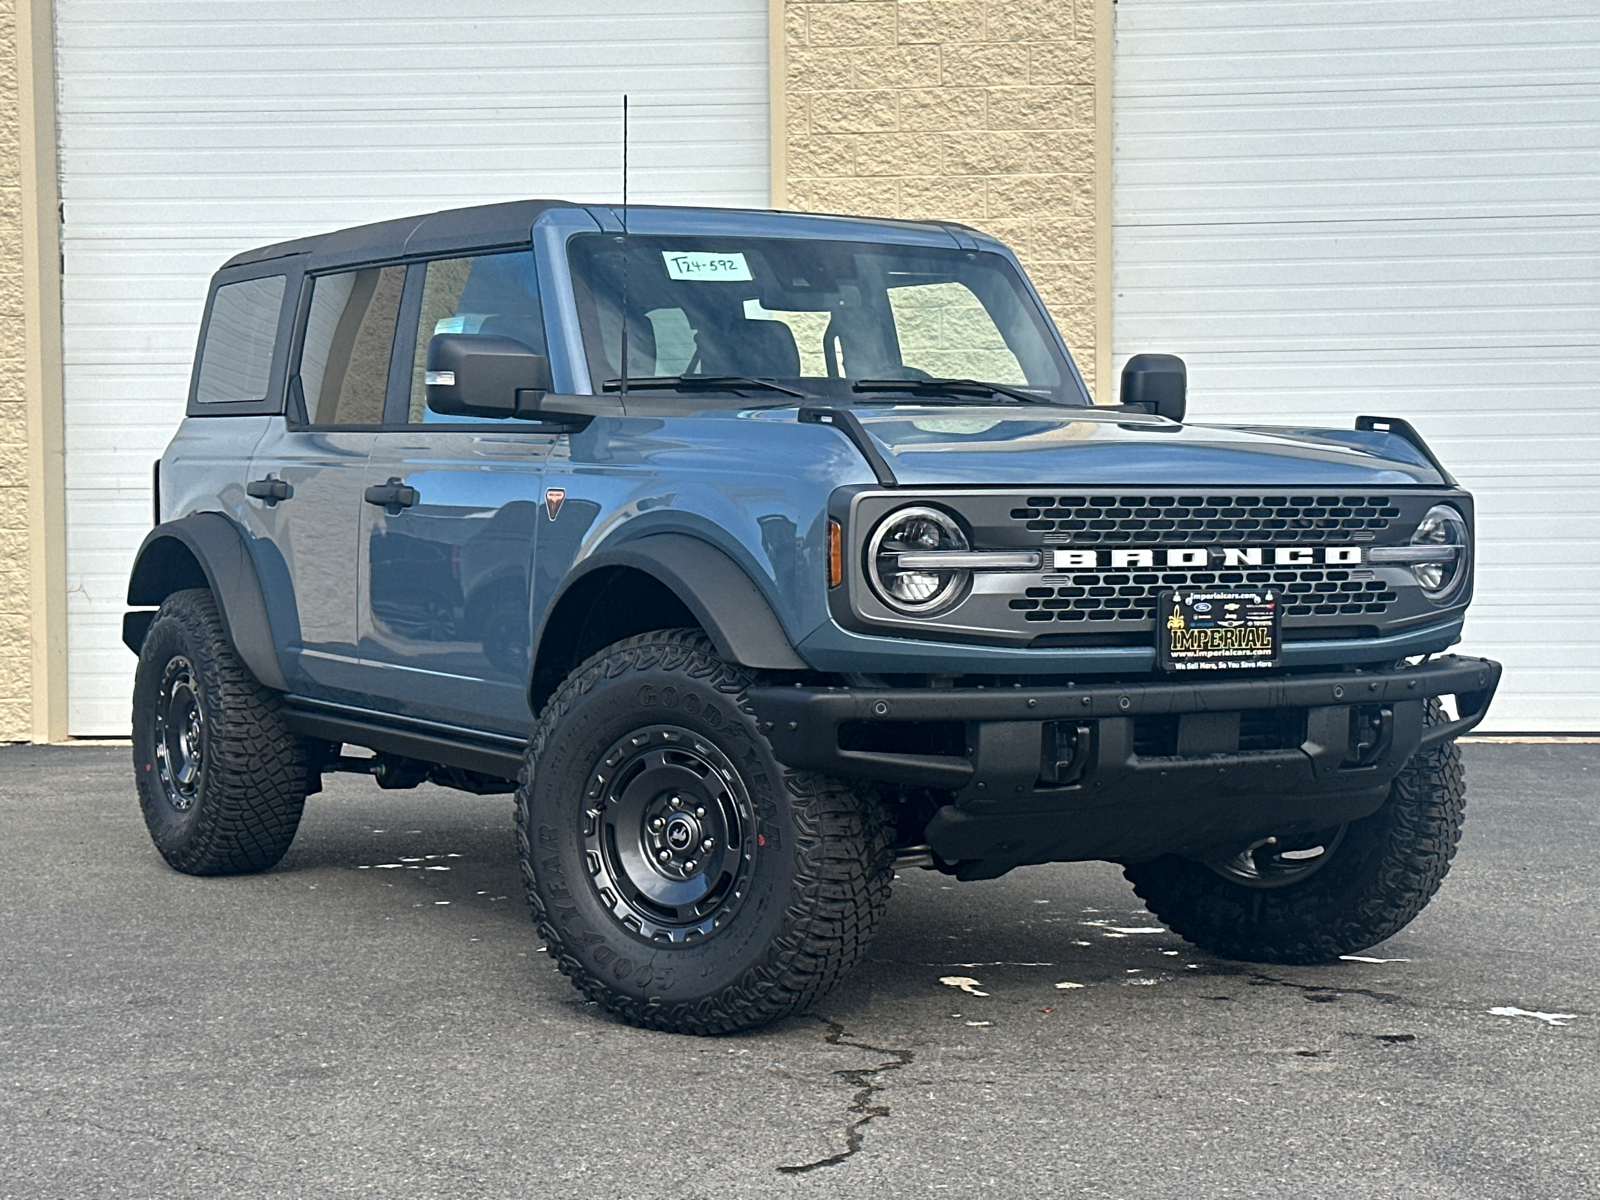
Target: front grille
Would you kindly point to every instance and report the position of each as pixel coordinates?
(1174, 520)
(1132, 595)
(1094, 600)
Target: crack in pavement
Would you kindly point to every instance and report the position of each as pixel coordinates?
(861, 1078)
(1257, 979)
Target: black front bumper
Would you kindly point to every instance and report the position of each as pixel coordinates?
(1067, 773)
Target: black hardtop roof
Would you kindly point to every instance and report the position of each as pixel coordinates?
(483, 225)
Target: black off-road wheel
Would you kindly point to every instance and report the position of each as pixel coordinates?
(222, 783)
(1312, 897)
(681, 876)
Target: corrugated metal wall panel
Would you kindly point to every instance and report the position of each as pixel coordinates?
(1390, 206)
(190, 131)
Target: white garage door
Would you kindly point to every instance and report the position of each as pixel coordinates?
(190, 131)
(1391, 207)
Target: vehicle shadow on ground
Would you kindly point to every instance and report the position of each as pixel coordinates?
(1073, 923)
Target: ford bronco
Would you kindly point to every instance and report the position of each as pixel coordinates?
(761, 553)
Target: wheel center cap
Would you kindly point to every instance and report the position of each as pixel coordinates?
(682, 831)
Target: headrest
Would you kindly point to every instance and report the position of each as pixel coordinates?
(759, 349)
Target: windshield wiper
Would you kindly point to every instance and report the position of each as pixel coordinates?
(943, 387)
(698, 383)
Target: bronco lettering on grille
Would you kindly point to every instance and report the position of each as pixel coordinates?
(1198, 556)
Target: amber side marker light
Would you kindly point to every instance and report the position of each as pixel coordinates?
(835, 554)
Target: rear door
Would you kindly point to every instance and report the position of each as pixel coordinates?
(306, 476)
(446, 614)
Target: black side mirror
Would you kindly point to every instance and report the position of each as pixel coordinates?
(482, 375)
(1157, 383)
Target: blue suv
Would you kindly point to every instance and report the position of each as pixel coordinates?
(760, 553)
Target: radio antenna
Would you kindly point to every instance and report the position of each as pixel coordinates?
(623, 387)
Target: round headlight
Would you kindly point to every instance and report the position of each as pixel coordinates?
(1445, 528)
(902, 560)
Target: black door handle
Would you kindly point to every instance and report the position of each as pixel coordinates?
(393, 495)
(269, 490)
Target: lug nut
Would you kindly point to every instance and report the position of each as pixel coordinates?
(708, 844)
(657, 824)
(689, 866)
(663, 856)
(699, 812)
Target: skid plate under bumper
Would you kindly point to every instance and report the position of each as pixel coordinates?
(1130, 771)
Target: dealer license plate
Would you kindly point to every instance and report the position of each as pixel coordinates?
(1221, 630)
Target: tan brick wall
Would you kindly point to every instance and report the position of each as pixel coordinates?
(976, 112)
(15, 646)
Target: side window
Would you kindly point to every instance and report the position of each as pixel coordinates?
(946, 331)
(236, 360)
(344, 358)
(492, 293)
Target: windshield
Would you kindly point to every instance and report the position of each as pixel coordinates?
(815, 316)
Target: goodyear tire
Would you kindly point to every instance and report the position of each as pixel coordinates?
(682, 877)
(222, 783)
(1312, 898)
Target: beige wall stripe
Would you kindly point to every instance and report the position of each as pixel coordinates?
(1103, 370)
(41, 283)
(987, 112)
(778, 96)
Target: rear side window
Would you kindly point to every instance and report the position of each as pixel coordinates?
(344, 358)
(236, 360)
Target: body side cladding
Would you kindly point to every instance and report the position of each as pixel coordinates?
(206, 550)
(708, 585)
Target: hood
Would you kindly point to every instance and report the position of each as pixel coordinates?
(946, 444)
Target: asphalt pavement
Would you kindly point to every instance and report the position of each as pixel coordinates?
(376, 1018)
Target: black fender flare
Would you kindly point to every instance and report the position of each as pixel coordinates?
(218, 545)
(721, 595)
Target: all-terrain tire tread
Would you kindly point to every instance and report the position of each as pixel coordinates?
(1413, 839)
(844, 864)
(255, 770)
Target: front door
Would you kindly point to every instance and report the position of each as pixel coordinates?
(450, 521)
(446, 623)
